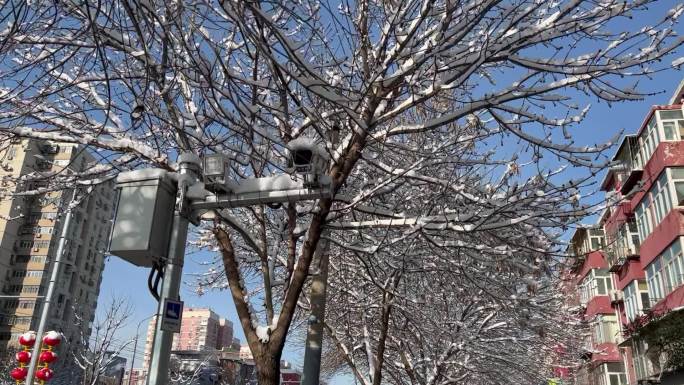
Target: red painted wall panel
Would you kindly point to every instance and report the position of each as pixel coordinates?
(608, 353)
(598, 305)
(671, 301)
(594, 260)
(671, 227)
(629, 272)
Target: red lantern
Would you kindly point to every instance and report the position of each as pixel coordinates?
(45, 374)
(28, 338)
(19, 373)
(52, 338)
(48, 356)
(23, 356)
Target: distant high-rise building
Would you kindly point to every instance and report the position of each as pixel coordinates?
(201, 329)
(30, 226)
(225, 336)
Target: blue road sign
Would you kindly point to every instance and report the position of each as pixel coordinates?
(173, 315)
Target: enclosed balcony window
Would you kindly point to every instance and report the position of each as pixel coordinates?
(665, 273)
(597, 282)
(612, 373)
(605, 329)
(666, 193)
(673, 124)
(677, 174)
(636, 299)
(587, 240)
(596, 239)
(649, 139)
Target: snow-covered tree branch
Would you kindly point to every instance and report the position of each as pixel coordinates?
(449, 126)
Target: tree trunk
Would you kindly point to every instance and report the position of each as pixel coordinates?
(268, 368)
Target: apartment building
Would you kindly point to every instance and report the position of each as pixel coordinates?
(629, 270)
(201, 330)
(29, 230)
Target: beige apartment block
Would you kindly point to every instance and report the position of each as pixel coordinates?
(201, 330)
(30, 226)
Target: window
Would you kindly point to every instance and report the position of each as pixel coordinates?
(605, 329)
(643, 221)
(636, 299)
(43, 230)
(665, 193)
(34, 217)
(40, 259)
(654, 280)
(672, 267)
(22, 258)
(19, 273)
(649, 139)
(612, 373)
(62, 162)
(677, 174)
(22, 320)
(10, 304)
(597, 282)
(660, 196)
(673, 124)
(664, 274)
(27, 304)
(27, 244)
(32, 289)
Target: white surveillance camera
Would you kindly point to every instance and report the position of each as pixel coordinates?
(216, 169)
(309, 160)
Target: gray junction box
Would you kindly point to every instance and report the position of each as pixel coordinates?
(144, 216)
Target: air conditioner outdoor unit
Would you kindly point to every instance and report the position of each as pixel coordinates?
(616, 296)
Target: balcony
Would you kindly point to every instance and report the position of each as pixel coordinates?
(619, 255)
(630, 167)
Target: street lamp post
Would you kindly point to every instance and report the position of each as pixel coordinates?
(135, 346)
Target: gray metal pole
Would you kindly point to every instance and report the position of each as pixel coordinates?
(56, 266)
(161, 350)
(314, 335)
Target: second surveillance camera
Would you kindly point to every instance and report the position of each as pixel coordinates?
(216, 169)
(308, 159)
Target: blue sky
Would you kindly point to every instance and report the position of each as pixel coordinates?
(124, 280)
